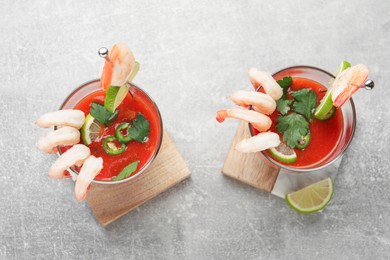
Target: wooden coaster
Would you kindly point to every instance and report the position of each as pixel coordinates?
(248, 168)
(110, 202)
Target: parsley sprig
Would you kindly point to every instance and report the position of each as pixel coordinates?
(283, 104)
(305, 101)
(101, 114)
(140, 128)
(285, 84)
(293, 125)
(127, 171)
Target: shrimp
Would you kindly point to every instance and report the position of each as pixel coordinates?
(347, 83)
(264, 79)
(260, 142)
(259, 121)
(91, 167)
(63, 136)
(118, 66)
(74, 156)
(67, 117)
(261, 102)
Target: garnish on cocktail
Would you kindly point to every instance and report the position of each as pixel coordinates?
(300, 112)
(312, 128)
(311, 198)
(263, 104)
(110, 134)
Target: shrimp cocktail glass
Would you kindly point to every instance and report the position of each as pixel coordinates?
(107, 131)
(301, 120)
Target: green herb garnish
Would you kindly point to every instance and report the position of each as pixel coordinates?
(101, 114)
(305, 101)
(283, 104)
(140, 129)
(293, 127)
(285, 83)
(127, 171)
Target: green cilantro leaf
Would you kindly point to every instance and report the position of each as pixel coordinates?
(305, 101)
(101, 114)
(127, 171)
(140, 129)
(293, 127)
(285, 83)
(283, 105)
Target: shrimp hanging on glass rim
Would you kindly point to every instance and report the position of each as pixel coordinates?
(262, 105)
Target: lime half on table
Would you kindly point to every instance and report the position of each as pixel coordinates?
(311, 198)
(90, 130)
(325, 109)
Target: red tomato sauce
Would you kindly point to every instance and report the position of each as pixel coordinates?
(135, 151)
(324, 134)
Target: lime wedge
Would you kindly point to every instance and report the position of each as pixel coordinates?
(325, 106)
(325, 109)
(114, 97)
(90, 130)
(311, 198)
(283, 153)
(133, 72)
(343, 66)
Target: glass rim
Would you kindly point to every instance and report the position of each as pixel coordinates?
(340, 153)
(154, 155)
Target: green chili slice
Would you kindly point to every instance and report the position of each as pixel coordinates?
(304, 142)
(112, 146)
(122, 133)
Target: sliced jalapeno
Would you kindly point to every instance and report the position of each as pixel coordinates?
(122, 133)
(112, 146)
(304, 142)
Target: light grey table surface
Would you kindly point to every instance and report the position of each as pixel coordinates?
(193, 54)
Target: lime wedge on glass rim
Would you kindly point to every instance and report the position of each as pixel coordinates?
(90, 130)
(133, 72)
(343, 66)
(115, 94)
(283, 153)
(311, 198)
(325, 109)
(114, 97)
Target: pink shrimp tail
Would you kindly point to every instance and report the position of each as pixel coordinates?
(106, 77)
(345, 96)
(356, 76)
(108, 69)
(221, 115)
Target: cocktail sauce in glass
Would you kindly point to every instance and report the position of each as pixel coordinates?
(137, 101)
(328, 144)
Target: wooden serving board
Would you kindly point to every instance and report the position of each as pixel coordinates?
(248, 168)
(110, 202)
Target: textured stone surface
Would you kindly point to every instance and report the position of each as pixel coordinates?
(193, 54)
